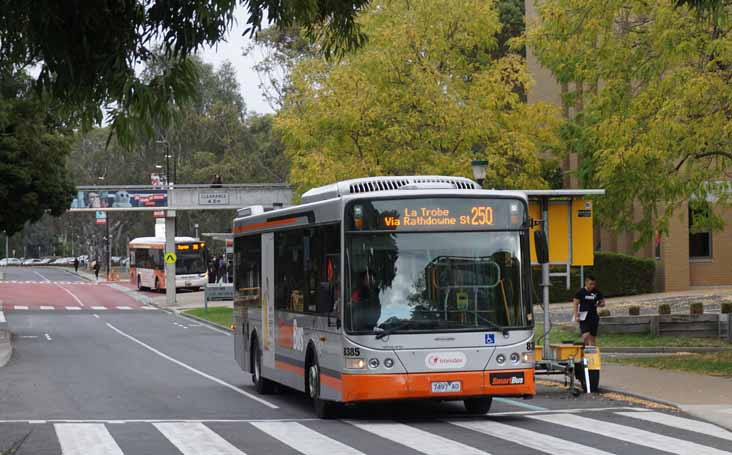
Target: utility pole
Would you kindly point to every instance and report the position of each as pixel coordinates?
(109, 250)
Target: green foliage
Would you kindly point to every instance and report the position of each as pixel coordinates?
(664, 308)
(88, 51)
(603, 312)
(33, 151)
(726, 308)
(634, 310)
(617, 275)
(219, 315)
(716, 364)
(653, 81)
(425, 95)
(696, 308)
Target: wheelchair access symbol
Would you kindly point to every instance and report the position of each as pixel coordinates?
(170, 258)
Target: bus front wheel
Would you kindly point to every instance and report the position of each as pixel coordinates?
(479, 405)
(324, 409)
(262, 385)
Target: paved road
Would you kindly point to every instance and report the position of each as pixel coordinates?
(149, 382)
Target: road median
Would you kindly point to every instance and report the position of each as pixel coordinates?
(6, 342)
(218, 317)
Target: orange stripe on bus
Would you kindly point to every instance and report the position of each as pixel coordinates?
(331, 382)
(288, 367)
(361, 387)
(250, 227)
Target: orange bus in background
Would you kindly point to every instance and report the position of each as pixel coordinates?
(147, 267)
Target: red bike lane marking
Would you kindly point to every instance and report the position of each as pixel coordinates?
(34, 295)
(102, 295)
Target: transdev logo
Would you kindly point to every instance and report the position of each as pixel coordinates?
(445, 360)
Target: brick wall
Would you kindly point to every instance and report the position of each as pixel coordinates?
(717, 270)
(675, 252)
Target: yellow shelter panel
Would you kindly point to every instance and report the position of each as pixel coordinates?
(534, 214)
(582, 233)
(558, 232)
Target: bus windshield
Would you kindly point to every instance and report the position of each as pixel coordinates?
(190, 262)
(402, 282)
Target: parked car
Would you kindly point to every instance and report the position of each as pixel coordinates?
(45, 261)
(31, 261)
(10, 261)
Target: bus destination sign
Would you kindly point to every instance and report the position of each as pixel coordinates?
(423, 216)
(436, 214)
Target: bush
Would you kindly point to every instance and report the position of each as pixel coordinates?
(726, 308)
(696, 308)
(617, 275)
(664, 308)
(603, 313)
(634, 310)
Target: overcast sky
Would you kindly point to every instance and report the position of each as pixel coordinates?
(232, 50)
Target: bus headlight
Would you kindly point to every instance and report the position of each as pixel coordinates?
(501, 359)
(373, 363)
(515, 358)
(355, 364)
(388, 363)
(527, 357)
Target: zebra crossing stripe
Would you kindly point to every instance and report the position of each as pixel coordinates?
(86, 439)
(416, 439)
(124, 308)
(21, 307)
(629, 434)
(196, 439)
(73, 308)
(681, 423)
(100, 308)
(527, 438)
(47, 308)
(305, 440)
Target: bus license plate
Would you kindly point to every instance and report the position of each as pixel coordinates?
(446, 387)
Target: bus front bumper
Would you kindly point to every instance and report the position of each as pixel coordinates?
(365, 387)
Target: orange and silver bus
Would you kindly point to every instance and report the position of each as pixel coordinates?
(387, 288)
(147, 267)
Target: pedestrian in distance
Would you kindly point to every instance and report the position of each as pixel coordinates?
(217, 181)
(96, 269)
(76, 264)
(222, 269)
(586, 302)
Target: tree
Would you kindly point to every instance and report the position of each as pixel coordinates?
(425, 95)
(88, 50)
(653, 84)
(33, 150)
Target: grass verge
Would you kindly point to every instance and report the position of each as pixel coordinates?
(218, 314)
(715, 364)
(561, 333)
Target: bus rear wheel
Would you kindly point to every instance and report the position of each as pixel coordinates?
(262, 385)
(479, 405)
(324, 409)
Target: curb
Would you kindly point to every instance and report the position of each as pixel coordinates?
(605, 389)
(204, 321)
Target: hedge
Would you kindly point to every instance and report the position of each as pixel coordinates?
(617, 275)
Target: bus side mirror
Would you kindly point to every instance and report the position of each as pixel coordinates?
(542, 247)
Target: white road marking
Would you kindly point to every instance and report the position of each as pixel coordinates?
(416, 439)
(628, 434)
(47, 308)
(228, 334)
(570, 411)
(196, 439)
(42, 277)
(124, 308)
(305, 440)
(71, 294)
(528, 438)
(28, 336)
(681, 423)
(73, 308)
(21, 307)
(96, 316)
(190, 368)
(312, 419)
(86, 439)
(99, 308)
(36, 421)
(519, 404)
(149, 308)
(48, 337)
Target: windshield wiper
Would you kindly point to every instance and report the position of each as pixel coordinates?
(393, 328)
(488, 322)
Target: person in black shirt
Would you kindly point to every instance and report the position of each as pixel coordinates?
(586, 302)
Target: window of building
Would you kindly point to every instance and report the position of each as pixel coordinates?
(700, 239)
(306, 269)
